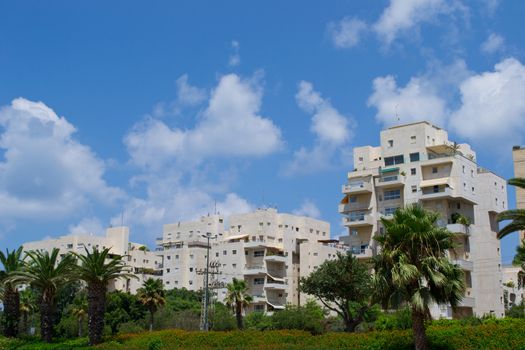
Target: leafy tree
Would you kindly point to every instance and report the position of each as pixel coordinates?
(47, 274)
(221, 318)
(151, 295)
(27, 307)
(121, 308)
(517, 216)
(79, 311)
(309, 318)
(179, 299)
(412, 267)
(343, 285)
(237, 297)
(12, 262)
(97, 269)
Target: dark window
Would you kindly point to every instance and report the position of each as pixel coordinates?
(413, 171)
(394, 160)
(434, 170)
(414, 157)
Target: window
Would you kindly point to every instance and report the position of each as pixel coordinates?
(390, 143)
(234, 266)
(392, 194)
(169, 257)
(258, 253)
(413, 171)
(168, 270)
(399, 159)
(458, 205)
(434, 170)
(354, 232)
(217, 254)
(471, 173)
(224, 252)
(191, 256)
(258, 307)
(191, 269)
(70, 246)
(463, 169)
(352, 199)
(258, 281)
(234, 252)
(390, 211)
(316, 254)
(414, 189)
(360, 159)
(414, 157)
(435, 188)
(176, 256)
(191, 282)
(412, 139)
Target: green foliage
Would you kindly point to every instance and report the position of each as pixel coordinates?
(155, 344)
(221, 318)
(516, 216)
(400, 319)
(516, 311)
(122, 308)
(258, 321)
(183, 299)
(344, 286)
(306, 318)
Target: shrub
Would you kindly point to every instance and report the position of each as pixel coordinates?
(306, 318)
(400, 319)
(258, 321)
(155, 344)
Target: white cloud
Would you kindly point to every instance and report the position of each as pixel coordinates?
(235, 57)
(188, 94)
(308, 208)
(332, 131)
(414, 102)
(45, 171)
(230, 126)
(403, 15)
(492, 109)
(347, 32)
(494, 43)
(87, 225)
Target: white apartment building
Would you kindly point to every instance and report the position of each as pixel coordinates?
(269, 250)
(137, 258)
(417, 163)
(511, 285)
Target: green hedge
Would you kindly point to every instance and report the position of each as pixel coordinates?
(497, 334)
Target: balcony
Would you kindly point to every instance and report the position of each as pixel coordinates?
(362, 253)
(464, 264)
(433, 194)
(258, 299)
(358, 220)
(263, 243)
(344, 208)
(458, 228)
(387, 181)
(275, 258)
(275, 285)
(356, 188)
(254, 270)
(467, 302)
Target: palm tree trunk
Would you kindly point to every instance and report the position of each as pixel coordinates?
(11, 312)
(80, 327)
(418, 327)
(96, 310)
(238, 314)
(46, 319)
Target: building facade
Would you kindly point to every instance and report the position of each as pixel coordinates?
(136, 257)
(271, 251)
(518, 156)
(417, 163)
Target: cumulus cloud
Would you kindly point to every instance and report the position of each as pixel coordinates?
(308, 208)
(229, 126)
(492, 108)
(332, 131)
(347, 32)
(235, 57)
(45, 172)
(494, 43)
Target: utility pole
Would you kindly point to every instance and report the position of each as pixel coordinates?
(206, 272)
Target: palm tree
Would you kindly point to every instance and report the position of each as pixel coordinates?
(97, 269)
(46, 273)
(12, 262)
(238, 298)
(79, 310)
(516, 215)
(151, 295)
(27, 307)
(413, 267)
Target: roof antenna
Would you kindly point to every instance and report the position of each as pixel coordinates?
(215, 207)
(397, 116)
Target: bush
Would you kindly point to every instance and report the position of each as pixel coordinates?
(222, 319)
(155, 344)
(306, 318)
(257, 321)
(400, 319)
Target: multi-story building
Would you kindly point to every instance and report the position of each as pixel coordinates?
(511, 287)
(417, 163)
(518, 156)
(267, 249)
(137, 257)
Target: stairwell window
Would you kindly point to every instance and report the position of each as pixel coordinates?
(394, 160)
(414, 157)
(392, 194)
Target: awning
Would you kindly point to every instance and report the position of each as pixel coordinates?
(328, 241)
(344, 200)
(388, 170)
(278, 279)
(435, 182)
(277, 307)
(231, 238)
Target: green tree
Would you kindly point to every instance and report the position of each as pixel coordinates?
(517, 216)
(47, 274)
(27, 307)
(97, 269)
(309, 318)
(12, 262)
(151, 295)
(122, 308)
(237, 297)
(79, 311)
(343, 285)
(413, 268)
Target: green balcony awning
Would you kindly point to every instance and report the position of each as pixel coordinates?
(389, 170)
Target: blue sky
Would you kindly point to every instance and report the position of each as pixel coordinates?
(157, 110)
